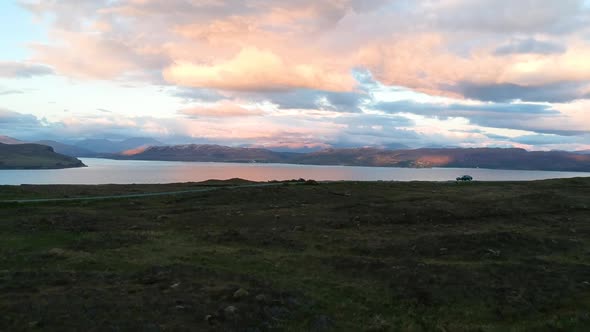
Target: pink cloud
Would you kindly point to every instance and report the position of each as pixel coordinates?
(263, 46)
(253, 69)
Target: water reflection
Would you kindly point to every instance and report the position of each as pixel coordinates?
(103, 171)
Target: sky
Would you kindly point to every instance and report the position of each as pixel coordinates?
(299, 74)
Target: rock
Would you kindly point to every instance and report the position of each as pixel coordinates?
(162, 218)
(57, 252)
(230, 312)
(298, 229)
(240, 294)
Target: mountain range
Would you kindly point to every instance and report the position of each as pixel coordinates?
(90, 147)
(109, 146)
(493, 158)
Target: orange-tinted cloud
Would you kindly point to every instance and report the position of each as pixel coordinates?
(253, 69)
(265, 46)
(288, 69)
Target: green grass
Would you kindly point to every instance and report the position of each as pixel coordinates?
(336, 257)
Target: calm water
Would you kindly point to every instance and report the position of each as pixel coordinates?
(104, 171)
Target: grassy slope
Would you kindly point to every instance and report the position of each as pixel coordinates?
(347, 256)
(34, 156)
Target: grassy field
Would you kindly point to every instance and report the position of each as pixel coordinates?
(366, 256)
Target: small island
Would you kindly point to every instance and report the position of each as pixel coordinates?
(34, 156)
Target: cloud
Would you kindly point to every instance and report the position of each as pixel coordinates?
(530, 46)
(507, 16)
(10, 92)
(465, 110)
(539, 118)
(307, 71)
(10, 118)
(303, 44)
(100, 57)
(427, 63)
(22, 126)
(309, 99)
(201, 95)
(223, 109)
(23, 69)
(253, 69)
(552, 93)
(278, 131)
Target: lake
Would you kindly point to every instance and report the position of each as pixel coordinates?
(105, 171)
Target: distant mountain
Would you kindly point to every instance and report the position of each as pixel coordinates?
(68, 150)
(583, 152)
(439, 146)
(395, 146)
(34, 156)
(494, 158)
(10, 140)
(108, 146)
(207, 153)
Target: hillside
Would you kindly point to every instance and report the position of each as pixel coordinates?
(493, 158)
(9, 140)
(34, 156)
(341, 256)
(208, 153)
(110, 146)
